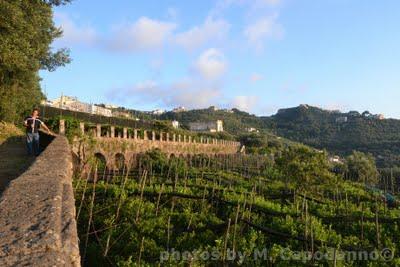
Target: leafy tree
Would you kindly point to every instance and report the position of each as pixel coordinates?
(362, 168)
(304, 167)
(26, 33)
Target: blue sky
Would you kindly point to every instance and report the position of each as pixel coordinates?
(256, 55)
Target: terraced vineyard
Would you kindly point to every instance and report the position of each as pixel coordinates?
(231, 211)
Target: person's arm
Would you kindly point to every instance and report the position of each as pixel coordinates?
(26, 122)
(47, 128)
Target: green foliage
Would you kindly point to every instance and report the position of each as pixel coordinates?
(305, 167)
(26, 33)
(362, 168)
(318, 128)
(235, 121)
(311, 126)
(235, 203)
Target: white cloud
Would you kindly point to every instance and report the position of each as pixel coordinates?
(245, 103)
(262, 29)
(255, 77)
(211, 64)
(210, 30)
(266, 3)
(144, 34)
(186, 92)
(193, 94)
(74, 34)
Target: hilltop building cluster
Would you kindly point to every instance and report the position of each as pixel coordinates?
(72, 103)
(107, 110)
(356, 114)
(214, 126)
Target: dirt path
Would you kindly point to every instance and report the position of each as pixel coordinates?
(13, 160)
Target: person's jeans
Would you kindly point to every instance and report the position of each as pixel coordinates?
(32, 143)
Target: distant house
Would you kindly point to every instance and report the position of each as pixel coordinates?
(111, 106)
(121, 114)
(252, 130)
(100, 111)
(366, 114)
(379, 117)
(158, 112)
(175, 124)
(179, 109)
(46, 103)
(72, 103)
(335, 159)
(215, 126)
(354, 113)
(341, 119)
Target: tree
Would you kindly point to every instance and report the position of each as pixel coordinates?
(362, 168)
(26, 33)
(304, 167)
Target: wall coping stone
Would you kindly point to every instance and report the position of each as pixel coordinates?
(37, 213)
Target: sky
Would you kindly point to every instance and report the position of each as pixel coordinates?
(255, 55)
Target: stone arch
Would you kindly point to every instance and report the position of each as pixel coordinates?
(100, 161)
(132, 160)
(119, 161)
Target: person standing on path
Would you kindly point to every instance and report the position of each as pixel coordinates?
(33, 124)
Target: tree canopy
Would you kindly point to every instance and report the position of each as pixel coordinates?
(362, 168)
(26, 33)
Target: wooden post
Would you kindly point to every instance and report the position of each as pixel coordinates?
(190, 139)
(98, 130)
(179, 138)
(153, 136)
(62, 127)
(167, 137)
(145, 137)
(161, 136)
(135, 134)
(173, 137)
(125, 130)
(184, 138)
(82, 127)
(201, 140)
(112, 131)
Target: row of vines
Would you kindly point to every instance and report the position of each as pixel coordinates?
(230, 211)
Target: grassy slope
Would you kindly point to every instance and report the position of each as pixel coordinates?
(13, 158)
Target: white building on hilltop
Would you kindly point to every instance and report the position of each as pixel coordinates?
(100, 111)
(179, 109)
(72, 103)
(158, 112)
(175, 124)
(215, 126)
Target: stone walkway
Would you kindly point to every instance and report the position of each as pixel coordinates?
(13, 160)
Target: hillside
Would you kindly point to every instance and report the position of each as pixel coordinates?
(235, 121)
(13, 157)
(327, 130)
(313, 126)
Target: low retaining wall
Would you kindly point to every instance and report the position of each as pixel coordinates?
(37, 213)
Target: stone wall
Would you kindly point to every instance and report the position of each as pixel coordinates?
(37, 213)
(109, 142)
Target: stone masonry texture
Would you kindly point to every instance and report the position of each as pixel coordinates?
(37, 213)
